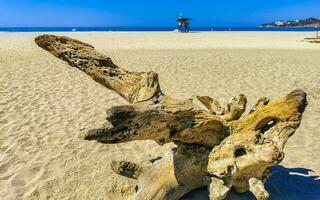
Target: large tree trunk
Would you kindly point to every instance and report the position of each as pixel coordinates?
(214, 148)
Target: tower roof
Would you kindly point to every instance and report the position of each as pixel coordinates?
(180, 19)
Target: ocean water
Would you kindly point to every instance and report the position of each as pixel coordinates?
(82, 29)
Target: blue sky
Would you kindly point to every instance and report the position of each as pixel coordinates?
(75, 13)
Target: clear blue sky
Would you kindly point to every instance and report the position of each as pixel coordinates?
(44, 13)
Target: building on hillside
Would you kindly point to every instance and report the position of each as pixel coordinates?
(279, 23)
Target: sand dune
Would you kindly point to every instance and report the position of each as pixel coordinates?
(46, 106)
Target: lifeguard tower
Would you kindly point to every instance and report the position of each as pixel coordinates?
(183, 24)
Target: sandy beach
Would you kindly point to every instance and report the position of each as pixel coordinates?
(46, 106)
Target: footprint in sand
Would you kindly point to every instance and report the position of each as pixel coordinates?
(26, 177)
(4, 168)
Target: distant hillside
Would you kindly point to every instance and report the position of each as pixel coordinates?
(310, 22)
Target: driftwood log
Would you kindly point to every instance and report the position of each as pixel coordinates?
(312, 40)
(214, 147)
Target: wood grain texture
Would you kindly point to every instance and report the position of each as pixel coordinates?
(215, 147)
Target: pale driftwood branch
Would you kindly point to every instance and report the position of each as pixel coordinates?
(257, 188)
(175, 122)
(257, 141)
(218, 189)
(312, 40)
(212, 105)
(261, 102)
(235, 108)
(214, 149)
(233, 111)
(133, 86)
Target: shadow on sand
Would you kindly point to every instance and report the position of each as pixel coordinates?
(284, 184)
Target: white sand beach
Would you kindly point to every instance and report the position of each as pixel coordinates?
(46, 106)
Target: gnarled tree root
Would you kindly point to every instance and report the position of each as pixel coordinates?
(215, 147)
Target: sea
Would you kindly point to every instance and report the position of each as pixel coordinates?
(193, 29)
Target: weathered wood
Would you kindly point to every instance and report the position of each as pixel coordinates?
(233, 111)
(261, 102)
(257, 188)
(175, 122)
(133, 86)
(312, 40)
(125, 168)
(212, 105)
(256, 142)
(215, 149)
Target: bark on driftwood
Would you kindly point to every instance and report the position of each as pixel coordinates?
(215, 148)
